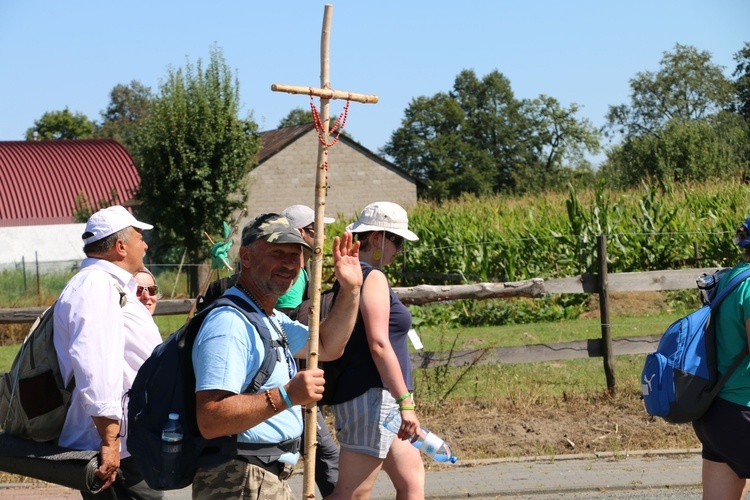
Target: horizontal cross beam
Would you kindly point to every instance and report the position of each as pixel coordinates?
(325, 93)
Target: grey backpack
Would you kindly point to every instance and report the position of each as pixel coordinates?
(34, 398)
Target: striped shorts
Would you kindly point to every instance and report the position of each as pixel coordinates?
(359, 423)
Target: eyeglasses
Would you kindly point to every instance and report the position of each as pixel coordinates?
(152, 290)
(309, 229)
(398, 241)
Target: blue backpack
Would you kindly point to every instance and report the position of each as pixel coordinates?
(680, 380)
(165, 384)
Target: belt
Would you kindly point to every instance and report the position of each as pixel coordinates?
(280, 469)
(275, 449)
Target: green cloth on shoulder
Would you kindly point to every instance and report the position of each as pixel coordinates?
(294, 296)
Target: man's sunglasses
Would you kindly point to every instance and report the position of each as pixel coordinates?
(152, 290)
(398, 241)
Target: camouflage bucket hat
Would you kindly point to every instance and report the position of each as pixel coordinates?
(274, 229)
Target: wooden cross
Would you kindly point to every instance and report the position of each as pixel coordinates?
(325, 93)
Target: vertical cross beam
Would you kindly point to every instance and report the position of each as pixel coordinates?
(326, 94)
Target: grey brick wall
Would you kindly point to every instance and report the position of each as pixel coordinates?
(354, 179)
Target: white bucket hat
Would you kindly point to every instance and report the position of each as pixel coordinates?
(108, 221)
(383, 216)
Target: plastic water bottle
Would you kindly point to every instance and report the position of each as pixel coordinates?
(171, 446)
(427, 442)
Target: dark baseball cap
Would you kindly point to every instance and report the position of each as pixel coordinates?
(273, 228)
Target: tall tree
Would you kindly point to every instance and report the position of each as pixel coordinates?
(457, 142)
(480, 139)
(61, 125)
(742, 81)
(688, 86)
(127, 106)
(193, 153)
(559, 142)
(297, 116)
(676, 126)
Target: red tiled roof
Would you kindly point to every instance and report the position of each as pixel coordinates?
(274, 141)
(39, 180)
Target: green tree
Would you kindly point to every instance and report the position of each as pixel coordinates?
(128, 105)
(683, 151)
(84, 208)
(193, 153)
(688, 86)
(479, 139)
(61, 125)
(458, 142)
(742, 81)
(297, 116)
(559, 142)
(677, 126)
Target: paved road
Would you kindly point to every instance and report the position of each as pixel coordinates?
(662, 475)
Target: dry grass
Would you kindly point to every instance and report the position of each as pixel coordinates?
(549, 427)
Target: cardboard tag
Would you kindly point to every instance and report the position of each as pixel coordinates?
(415, 340)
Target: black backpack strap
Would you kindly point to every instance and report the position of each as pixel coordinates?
(270, 357)
(215, 290)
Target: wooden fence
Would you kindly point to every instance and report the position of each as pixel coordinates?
(535, 288)
(602, 283)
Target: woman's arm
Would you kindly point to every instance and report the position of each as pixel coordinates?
(376, 309)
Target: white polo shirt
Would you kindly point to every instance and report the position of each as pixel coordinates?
(102, 345)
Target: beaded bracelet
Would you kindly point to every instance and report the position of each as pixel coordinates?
(405, 407)
(285, 396)
(403, 397)
(270, 402)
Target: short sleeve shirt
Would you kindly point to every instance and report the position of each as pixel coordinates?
(731, 338)
(228, 353)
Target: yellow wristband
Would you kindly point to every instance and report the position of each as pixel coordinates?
(403, 397)
(405, 407)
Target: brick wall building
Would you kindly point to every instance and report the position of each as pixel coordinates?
(286, 172)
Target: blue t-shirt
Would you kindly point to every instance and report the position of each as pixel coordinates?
(228, 353)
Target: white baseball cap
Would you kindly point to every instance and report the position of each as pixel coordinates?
(383, 216)
(302, 216)
(108, 221)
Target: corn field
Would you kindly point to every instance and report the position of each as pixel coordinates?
(552, 235)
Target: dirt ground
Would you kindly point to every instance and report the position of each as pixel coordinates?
(575, 424)
(615, 425)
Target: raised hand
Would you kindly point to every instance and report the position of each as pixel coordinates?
(346, 261)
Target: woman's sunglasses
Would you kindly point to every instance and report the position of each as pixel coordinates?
(398, 241)
(152, 290)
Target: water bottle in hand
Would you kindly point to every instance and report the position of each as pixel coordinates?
(427, 442)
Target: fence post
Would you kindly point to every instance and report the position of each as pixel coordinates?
(697, 250)
(38, 279)
(607, 351)
(23, 266)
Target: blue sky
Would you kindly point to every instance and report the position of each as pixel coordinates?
(71, 54)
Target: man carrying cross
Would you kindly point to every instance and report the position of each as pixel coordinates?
(228, 353)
